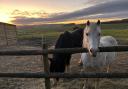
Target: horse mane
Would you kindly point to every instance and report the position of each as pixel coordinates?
(64, 40)
(77, 37)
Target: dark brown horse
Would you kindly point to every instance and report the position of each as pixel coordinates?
(65, 40)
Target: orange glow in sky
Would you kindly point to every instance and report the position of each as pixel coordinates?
(4, 18)
(37, 11)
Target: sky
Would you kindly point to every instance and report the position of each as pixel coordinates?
(29, 12)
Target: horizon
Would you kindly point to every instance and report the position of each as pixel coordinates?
(31, 12)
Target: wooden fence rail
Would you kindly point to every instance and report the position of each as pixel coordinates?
(61, 50)
(64, 75)
(48, 75)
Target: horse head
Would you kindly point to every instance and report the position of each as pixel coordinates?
(91, 37)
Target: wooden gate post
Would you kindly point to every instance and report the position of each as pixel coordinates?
(46, 64)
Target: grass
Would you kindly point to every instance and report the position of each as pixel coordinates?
(119, 31)
(38, 32)
(122, 34)
(121, 26)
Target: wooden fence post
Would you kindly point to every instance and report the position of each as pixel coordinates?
(46, 64)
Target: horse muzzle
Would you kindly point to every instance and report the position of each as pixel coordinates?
(93, 52)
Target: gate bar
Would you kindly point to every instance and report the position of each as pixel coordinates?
(64, 75)
(61, 50)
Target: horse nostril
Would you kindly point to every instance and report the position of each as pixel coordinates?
(91, 50)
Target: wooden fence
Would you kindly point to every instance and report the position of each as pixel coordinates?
(123, 48)
(47, 75)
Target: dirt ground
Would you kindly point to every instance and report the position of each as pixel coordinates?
(35, 64)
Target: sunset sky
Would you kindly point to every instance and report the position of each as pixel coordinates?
(22, 12)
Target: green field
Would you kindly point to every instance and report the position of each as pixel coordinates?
(119, 31)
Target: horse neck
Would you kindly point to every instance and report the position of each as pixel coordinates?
(85, 43)
(77, 37)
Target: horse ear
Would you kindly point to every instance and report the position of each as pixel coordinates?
(88, 23)
(98, 22)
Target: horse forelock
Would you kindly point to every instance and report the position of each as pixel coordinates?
(93, 27)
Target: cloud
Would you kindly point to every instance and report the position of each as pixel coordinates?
(108, 9)
(122, 14)
(19, 13)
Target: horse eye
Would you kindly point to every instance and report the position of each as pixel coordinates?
(87, 34)
(99, 34)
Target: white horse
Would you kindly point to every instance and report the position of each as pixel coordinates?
(94, 61)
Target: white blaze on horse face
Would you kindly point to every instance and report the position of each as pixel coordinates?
(91, 38)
